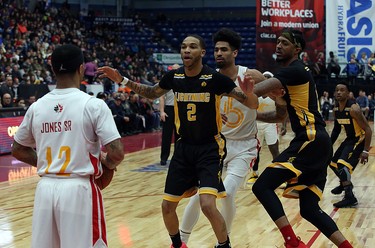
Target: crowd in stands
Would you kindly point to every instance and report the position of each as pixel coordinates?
(363, 68)
(365, 102)
(27, 40)
(132, 113)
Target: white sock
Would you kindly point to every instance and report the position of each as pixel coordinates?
(228, 209)
(190, 217)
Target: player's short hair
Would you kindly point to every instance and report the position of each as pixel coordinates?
(66, 59)
(228, 35)
(294, 36)
(202, 43)
(344, 83)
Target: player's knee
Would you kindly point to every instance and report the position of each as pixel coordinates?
(231, 184)
(208, 207)
(257, 189)
(309, 210)
(305, 213)
(168, 207)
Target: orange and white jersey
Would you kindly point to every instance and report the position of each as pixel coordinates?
(67, 127)
(241, 120)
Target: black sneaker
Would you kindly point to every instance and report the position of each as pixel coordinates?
(338, 190)
(346, 202)
(163, 162)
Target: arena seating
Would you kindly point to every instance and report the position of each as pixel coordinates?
(174, 32)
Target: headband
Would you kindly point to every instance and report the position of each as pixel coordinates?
(294, 38)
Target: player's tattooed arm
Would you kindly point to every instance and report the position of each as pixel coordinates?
(24, 154)
(151, 92)
(275, 116)
(250, 99)
(238, 94)
(114, 155)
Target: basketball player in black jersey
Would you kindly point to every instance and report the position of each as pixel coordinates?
(200, 151)
(303, 165)
(354, 148)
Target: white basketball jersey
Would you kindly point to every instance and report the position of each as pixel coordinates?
(265, 105)
(169, 98)
(67, 127)
(241, 120)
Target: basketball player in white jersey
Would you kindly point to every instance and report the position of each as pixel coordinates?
(67, 128)
(239, 130)
(266, 131)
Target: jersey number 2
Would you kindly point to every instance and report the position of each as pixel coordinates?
(63, 149)
(191, 113)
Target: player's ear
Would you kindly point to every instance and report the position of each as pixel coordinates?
(82, 69)
(299, 51)
(203, 53)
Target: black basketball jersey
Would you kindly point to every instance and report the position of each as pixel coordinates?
(343, 118)
(197, 103)
(301, 97)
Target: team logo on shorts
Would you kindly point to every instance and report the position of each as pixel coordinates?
(58, 108)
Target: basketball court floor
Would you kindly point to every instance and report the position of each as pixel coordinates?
(133, 205)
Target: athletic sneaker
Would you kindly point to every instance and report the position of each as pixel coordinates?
(253, 178)
(182, 246)
(346, 202)
(338, 190)
(300, 244)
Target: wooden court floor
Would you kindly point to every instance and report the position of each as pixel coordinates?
(134, 220)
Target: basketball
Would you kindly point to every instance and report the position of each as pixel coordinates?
(105, 179)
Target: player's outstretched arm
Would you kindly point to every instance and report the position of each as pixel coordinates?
(271, 87)
(150, 92)
(256, 75)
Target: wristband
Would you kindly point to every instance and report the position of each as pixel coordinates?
(124, 81)
(365, 151)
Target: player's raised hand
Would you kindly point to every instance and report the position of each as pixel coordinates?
(247, 84)
(110, 73)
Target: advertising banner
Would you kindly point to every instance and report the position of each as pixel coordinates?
(8, 128)
(168, 58)
(350, 28)
(272, 16)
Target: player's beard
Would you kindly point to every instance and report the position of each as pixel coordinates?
(220, 64)
(280, 60)
(193, 62)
